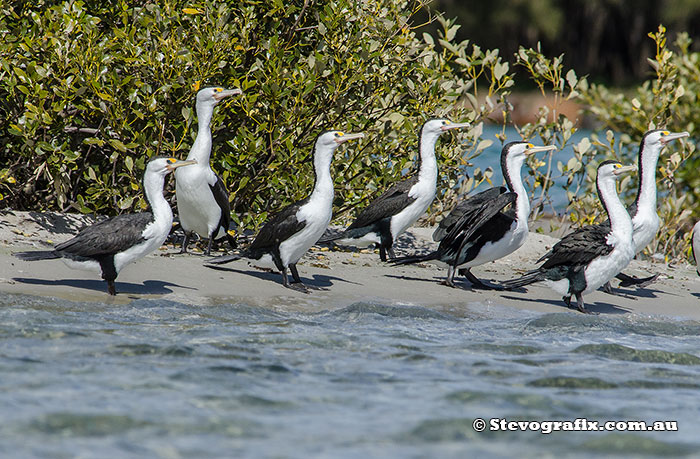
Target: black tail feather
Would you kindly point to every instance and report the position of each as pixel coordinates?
(526, 279)
(415, 259)
(37, 255)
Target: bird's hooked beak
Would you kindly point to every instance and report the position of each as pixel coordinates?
(174, 165)
(665, 140)
(342, 138)
(450, 126)
(219, 96)
(533, 149)
(624, 170)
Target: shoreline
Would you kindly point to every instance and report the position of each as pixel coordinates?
(343, 276)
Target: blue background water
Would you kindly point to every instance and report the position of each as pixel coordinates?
(491, 157)
(161, 379)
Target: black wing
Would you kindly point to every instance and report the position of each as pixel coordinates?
(477, 219)
(280, 227)
(465, 206)
(390, 203)
(221, 196)
(580, 247)
(108, 236)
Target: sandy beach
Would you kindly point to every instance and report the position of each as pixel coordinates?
(341, 276)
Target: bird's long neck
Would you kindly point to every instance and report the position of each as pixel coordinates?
(620, 222)
(514, 180)
(428, 164)
(323, 186)
(646, 193)
(153, 187)
(201, 148)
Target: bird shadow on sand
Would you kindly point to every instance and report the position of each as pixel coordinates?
(597, 307)
(634, 293)
(148, 287)
(318, 281)
(459, 284)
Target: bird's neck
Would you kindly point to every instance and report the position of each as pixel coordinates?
(323, 186)
(646, 193)
(620, 222)
(428, 164)
(201, 148)
(515, 184)
(153, 187)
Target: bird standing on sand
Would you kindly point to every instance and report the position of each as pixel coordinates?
(590, 256)
(111, 244)
(645, 220)
(695, 246)
(202, 199)
(286, 237)
(385, 218)
(477, 230)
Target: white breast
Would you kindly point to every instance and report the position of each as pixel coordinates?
(512, 241)
(316, 214)
(155, 234)
(645, 228)
(196, 206)
(423, 193)
(602, 269)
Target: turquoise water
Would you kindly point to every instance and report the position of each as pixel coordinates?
(162, 379)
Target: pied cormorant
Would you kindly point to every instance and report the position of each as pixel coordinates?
(111, 244)
(385, 218)
(645, 220)
(286, 237)
(477, 230)
(592, 255)
(202, 199)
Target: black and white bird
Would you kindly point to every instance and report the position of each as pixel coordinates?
(645, 220)
(385, 218)
(202, 199)
(109, 245)
(584, 260)
(695, 246)
(286, 237)
(477, 230)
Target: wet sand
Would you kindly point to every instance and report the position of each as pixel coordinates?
(340, 276)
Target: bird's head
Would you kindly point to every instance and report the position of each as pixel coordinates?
(612, 170)
(163, 165)
(521, 150)
(661, 137)
(335, 138)
(212, 96)
(439, 125)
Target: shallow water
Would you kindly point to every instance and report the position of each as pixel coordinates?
(161, 379)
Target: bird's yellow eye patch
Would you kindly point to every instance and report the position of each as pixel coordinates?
(446, 122)
(339, 134)
(665, 133)
(172, 160)
(218, 89)
(618, 165)
(529, 145)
